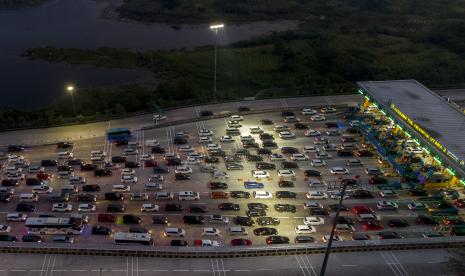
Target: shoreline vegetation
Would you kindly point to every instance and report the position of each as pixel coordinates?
(338, 43)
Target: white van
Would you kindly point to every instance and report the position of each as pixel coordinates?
(262, 195)
(120, 188)
(237, 231)
(28, 197)
(174, 232)
(189, 195)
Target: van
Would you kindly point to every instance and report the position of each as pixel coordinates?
(106, 218)
(28, 197)
(232, 131)
(189, 195)
(237, 231)
(64, 174)
(366, 218)
(70, 189)
(344, 228)
(198, 208)
(163, 196)
(174, 232)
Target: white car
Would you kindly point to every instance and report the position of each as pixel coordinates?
(194, 155)
(181, 134)
(387, 193)
(276, 157)
(339, 170)
(315, 182)
(299, 157)
(247, 138)
(291, 119)
(42, 189)
(65, 155)
(317, 118)
(17, 176)
(387, 205)
(205, 132)
(318, 163)
(120, 188)
(286, 135)
(305, 229)
(415, 150)
(262, 195)
(260, 174)
(126, 151)
(183, 169)
(309, 111)
(354, 162)
(36, 169)
(311, 149)
(255, 130)
(210, 231)
(234, 124)
(4, 229)
(186, 148)
(128, 179)
(236, 118)
(156, 177)
(286, 173)
(314, 221)
(213, 146)
(327, 110)
(337, 195)
(152, 143)
(16, 217)
(149, 207)
(218, 219)
(220, 174)
(14, 157)
(226, 139)
(336, 238)
(86, 207)
(62, 207)
(128, 171)
(323, 155)
(311, 133)
(192, 161)
(146, 157)
(316, 195)
(205, 140)
(417, 206)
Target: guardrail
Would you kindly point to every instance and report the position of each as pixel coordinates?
(233, 252)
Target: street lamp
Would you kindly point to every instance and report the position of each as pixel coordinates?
(215, 28)
(70, 90)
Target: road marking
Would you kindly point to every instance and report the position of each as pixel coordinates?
(18, 270)
(401, 266)
(43, 265)
(242, 270)
(300, 266)
(53, 264)
(213, 267)
(390, 264)
(264, 269)
(160, 270)
(180, 270)
(349, 265)
(59, 270)
(78, 270)
(201, 270)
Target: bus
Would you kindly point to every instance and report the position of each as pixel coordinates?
(53, 225)
(118, 134)
(133, 238)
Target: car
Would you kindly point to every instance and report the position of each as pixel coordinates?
(335, 206)
(183, 169)
(357, 236)
(103, 172)
(363, 153)
(256, 130)
(373, 171)
(255, 213)
(205, 140)
(254, 158)
(31, 238)
(384, 235)
(309, 111)
(317, 118)
(86, 207)
(286, 173)
(229, 207)
(253, 185)
(286, 135)
(286, 184)
(149, 207)
(236, 118)
(316, 195)
(312, 173)
(417, 206)
(218, 185)
(5, 197)
(153, 186)
(398, 223)
(206, 243)
(317, 163)
(260, 174)
(63, 239)
(182, 176)
(205, 113)
(218, 219)
(239, 194)
(210, 231)
(131, 219)
(313, 221)
(277, 240)
(146, 157)
(299, 157)
(280, 207)
(336, 238)
(62, 207)
(304, 229)
(114, 196)
(4, 229)
(16, 217)
(234, 166)
(425, 219)
(194, 219)
(276, 157)
(226, 139)
(161, 169)
(158, 149)
(8, 238)
(345, 220)
(265, 231)
(289, 165)
(101, 230)
(378, 180)
(173, 207)
(262, 195)
(323, 155)
(286, 194)
(267, 221)
(372, 226)
(241, 242)
(361, 194)
(339, 171)
(178, 140)
(266, 122)
(362, 209)
(387, 205)
(91, 188)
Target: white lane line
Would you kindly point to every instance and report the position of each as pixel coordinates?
(127, 266)
(349, 265)
(389, 264)
(53, 264)
(310, 265)
(242, 270)
(160, 270)
(43, 265)
(137, 266)
(180, 270)
(213, 267)
(222, 266)
(264, 269)
(59, 270)
(201, 270)
(48, 264)
(78, 270)
(305, 265)
(300, 266)
(101, 270)
(401, 266)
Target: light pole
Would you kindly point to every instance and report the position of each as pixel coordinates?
(215, 28)
(70, 90)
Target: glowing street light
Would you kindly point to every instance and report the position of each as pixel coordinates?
(70, 90)
(215, 28)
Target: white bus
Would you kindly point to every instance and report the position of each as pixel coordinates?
(133, 238)
(52, 226)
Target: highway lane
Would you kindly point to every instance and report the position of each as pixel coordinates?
(384, 263)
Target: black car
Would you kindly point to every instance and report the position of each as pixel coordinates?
(234, 166)
(103, 172)
(178, 243)
(33, 182)
(319, 212)
(243, 108)
(161, 169)
(277, 240)
(289, 150)
(312, 173)
(385, 235)
(115, 208)
(362, 194)
(333, 207)
(304, 239)
(31, 238)
(250, 144)
(114, 196)
(254, 158)
(360, 236)
(265, 231)
(331, 125)
(205, 113)
(131, 165)
(91, 188)
(268, 221)
(75, 162)
(257, 206)
(218, 185)
(398, 223)
(229, 207)
(425, 219)
(13, 148)
(286, 194)
(158, 149)
(266, 122)
(8, 238)
(263, 151)
(266, 136)
(285, 208)
(232, 159)
(345, 153)
(182, 176)
(192, 219)
(289, 165)
(88, 167)
(64, 145)
(211, 159)
(9, 183)
(5, 197)
(101, 230)
(160, 219)
(173, 161)
(345, 220)
(119, 159)
(48, 163)
(138, 229)
(242, 152)
(216, 152)
(417, 192)
(173, 207)
(239, 194)
(179, 140)
(131, 219)
(255, 213)
(244, 221)
(121, 142)
(287, 113)
(300, 126)
(65, 168)
(286, 184)
(269, 144)
(87, 198)
(25, 207)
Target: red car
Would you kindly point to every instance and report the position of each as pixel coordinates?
(362, 209)
(460, 203)
(372, 226)
(241, 242)
(452, 221)
(150, 163)
(43, 176)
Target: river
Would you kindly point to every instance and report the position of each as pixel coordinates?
(78, 23)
